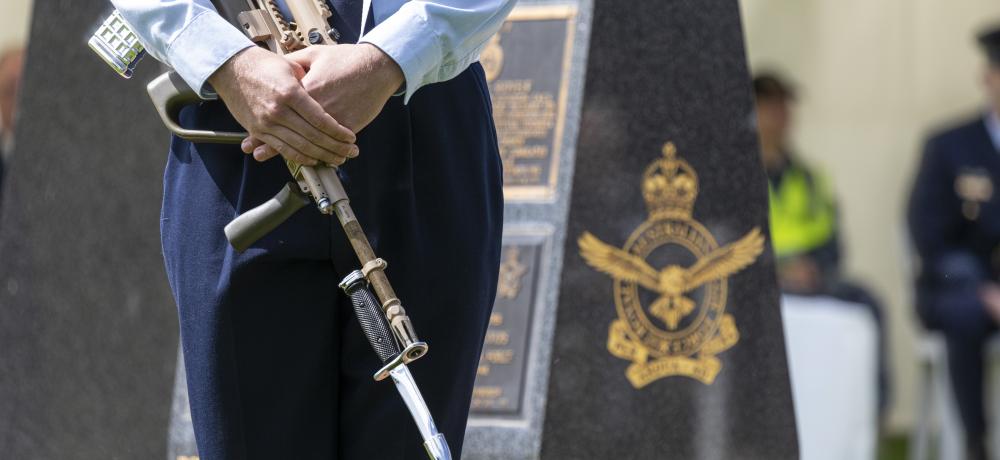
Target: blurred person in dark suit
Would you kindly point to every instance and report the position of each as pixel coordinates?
(803, 216)
(11, 62)
(954, 220)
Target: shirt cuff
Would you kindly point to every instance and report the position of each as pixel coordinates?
(407, 38)
(207, 42)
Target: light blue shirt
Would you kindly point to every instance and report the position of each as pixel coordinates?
(431, 40)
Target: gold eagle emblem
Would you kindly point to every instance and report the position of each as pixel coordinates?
(688, 301)
(673, 281)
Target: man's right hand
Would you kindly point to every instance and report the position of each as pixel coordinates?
(264, 94)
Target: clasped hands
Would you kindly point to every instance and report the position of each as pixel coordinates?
(307, 105)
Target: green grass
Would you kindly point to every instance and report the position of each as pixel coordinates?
(892, 447)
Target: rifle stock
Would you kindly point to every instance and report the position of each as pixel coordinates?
(170, 94)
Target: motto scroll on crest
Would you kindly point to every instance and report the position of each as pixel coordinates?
(685, 326)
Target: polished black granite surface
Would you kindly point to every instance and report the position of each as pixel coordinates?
(88, 333)
(699, 372)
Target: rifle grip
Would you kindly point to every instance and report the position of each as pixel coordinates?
(243, 231)
(170, 94)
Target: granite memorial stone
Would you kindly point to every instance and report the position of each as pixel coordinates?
(87, 324)
(668, 342)
(527, 65)
(500, 380)
(535, 70)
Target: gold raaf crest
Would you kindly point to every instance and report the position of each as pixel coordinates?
(689, 303)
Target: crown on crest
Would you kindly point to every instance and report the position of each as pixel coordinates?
(670, 186)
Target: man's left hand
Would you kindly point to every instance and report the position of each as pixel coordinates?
(352, 82)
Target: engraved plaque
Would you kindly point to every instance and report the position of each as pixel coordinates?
(527, 66)
(499, 388)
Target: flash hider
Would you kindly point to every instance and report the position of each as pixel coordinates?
(116, 43)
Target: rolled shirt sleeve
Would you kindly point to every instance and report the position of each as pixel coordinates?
(189, 36)
(434, 41)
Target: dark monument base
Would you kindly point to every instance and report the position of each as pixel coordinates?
(668, 339)
(87, 323)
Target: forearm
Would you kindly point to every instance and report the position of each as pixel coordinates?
(434, 41)
(187, 35)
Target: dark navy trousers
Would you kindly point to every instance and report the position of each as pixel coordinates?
(954, 308)
(277, 365)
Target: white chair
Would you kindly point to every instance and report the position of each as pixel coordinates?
(937, 431)
(937, 427)
(833, 364)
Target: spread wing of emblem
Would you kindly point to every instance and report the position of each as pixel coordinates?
(617, 263)
(673, 281)
(726, 260)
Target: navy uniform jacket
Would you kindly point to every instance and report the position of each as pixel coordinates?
(954, 215)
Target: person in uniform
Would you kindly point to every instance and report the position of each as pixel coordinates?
(803, 217)
(954, 221)
(277, 365)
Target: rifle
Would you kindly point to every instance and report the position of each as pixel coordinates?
(265, 24)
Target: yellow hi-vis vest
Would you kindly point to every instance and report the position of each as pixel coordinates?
(803, 214)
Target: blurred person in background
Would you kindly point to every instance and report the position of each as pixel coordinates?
(11, 62)
(954, 220)
(803, 216)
